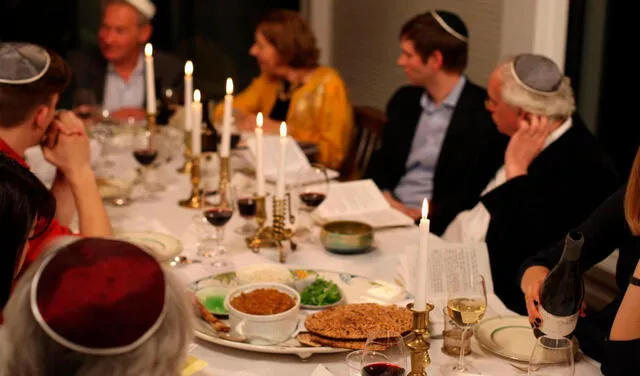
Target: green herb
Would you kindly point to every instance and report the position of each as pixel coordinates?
(320, 292)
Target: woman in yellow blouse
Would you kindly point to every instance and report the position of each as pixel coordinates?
(292, 87)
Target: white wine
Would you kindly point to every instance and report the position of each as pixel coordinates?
(466, 312)
(562, 292)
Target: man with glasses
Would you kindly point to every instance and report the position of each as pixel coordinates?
(439, 141)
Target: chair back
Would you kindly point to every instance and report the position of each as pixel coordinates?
(368, 124)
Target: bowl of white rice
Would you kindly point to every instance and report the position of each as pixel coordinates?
(264, 273)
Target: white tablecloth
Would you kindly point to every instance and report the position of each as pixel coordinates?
(164, 214)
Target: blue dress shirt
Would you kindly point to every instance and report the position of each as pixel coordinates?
(119, 93)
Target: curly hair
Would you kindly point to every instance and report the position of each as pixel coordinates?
(290, 35)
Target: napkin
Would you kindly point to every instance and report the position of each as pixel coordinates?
(321, 370)
(193, 365)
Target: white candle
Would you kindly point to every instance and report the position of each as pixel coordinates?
(260, 155)
(420, 303)
(226, 120)
(281, 160)
(196, 129)
(188, 92)
(150, 79)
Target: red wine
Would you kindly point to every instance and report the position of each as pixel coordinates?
(312, 199)
(562, 292)
(382, 369)
(247, 207)
(218, 216)
(145, 156)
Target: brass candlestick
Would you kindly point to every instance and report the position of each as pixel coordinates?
(277, 233)
(225, 179)
(186, 167)
(194, 201)
(418, 341)
(151, 122)
(261, 211)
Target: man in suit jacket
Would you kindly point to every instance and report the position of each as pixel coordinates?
(439, 141)
(116, 73)
(554, 175)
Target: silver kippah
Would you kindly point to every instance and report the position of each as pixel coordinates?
(451, 23)
(22, 63)
(537, 73)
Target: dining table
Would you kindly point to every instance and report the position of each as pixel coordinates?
(161, 213)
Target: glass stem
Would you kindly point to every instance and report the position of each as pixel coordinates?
(462, 349)
(219, 238)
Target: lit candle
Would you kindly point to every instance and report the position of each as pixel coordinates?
(259, 155)
(226, 120)
(420, 303)
(196, 129)
(150, 79)
(281, 160)
(188, 92)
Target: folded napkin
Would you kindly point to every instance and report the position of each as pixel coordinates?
(321, 370)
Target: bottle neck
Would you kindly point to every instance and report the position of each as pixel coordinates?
(572, 247)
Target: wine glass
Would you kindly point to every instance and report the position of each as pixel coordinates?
(384, 354)
(466, 306)
(145, 151)
(218, 215)
(84, 104)
(552, 356)
(245, 195)
(312, 187)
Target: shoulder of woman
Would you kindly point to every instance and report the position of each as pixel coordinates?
(328, 76)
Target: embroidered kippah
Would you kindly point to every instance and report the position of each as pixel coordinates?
(22, 63)
(536, 73)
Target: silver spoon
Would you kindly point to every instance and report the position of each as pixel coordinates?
(183, 260)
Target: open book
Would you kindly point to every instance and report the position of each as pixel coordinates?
(361, 201)
(296, 163)
(447, 263)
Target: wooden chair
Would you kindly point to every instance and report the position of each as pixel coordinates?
(368, 123)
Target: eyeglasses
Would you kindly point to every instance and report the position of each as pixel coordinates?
(490, 102)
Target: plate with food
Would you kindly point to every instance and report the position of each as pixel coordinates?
(312, 291)
(163, 246)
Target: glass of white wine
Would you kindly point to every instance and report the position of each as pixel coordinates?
(466, 306)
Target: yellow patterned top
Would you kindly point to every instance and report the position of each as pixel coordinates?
(319, 112)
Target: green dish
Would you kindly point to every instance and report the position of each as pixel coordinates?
(346, 237)
(213, 300)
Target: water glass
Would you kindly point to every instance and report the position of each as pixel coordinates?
(552, 357)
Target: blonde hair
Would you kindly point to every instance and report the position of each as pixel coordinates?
(632, 197)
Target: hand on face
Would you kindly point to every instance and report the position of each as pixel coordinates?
(526, 144)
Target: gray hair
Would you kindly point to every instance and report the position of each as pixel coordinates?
(26, 350)
(557, 106)
(142, 19)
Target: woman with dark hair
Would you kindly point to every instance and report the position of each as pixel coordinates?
(26, 210)
(293, 87)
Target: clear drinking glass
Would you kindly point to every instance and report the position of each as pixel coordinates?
(384, 353)
(466, 306)
(312, 187)
(218, 215)
(145, 151)
(246, 196)
(84, 104)
(552, 357)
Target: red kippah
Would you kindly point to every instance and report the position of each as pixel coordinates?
(99, 296)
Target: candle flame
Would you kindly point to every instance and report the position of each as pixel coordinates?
(283, 129)
(229, 86)
(188, 68)
(196, 96)
(425, 208)
(148, 49)
(259, 120)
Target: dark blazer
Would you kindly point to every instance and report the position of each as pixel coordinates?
(471, 153)
(563, 185)
(605, 230)
(89, 72)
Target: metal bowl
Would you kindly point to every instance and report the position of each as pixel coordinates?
(346, 237)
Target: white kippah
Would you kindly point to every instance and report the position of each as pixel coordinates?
(22, 63)
(146, 7)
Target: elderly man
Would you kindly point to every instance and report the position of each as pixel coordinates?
(116, 75)
(96, 307)
(555, 173)
(31, 80)
(439, 141)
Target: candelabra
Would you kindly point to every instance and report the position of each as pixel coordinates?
(418, 341)
(194, 201)
(261, 211)
(188, 162)
(224, 182)
(277, 233)
(151, 122)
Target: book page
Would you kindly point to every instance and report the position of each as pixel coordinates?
(295, 161)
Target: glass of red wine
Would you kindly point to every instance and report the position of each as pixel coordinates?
(218, 216)
(245, 195)
(312, 189)
(384, 354)
(145, 151)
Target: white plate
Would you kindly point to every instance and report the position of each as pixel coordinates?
(164, 247)
(510, 337)
(354, 289)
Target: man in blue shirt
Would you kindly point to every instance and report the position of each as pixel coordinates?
(439, 142)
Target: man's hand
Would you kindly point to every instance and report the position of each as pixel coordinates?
(411, 212)
(67, 146)
(526, 144)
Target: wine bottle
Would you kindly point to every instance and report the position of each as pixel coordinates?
(562, 292)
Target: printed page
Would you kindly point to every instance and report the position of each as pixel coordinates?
(296, 160)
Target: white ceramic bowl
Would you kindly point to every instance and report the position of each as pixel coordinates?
(264, 329)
